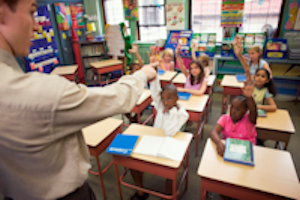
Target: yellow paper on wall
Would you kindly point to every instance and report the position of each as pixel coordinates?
(78, 32)
(49, 38)
(51, 32)
(44, 34)
(64, 36)
(35, 35)
(40, 29)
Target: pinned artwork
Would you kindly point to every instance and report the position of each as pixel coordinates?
(114, 40)
(175, 16)
(130, 9)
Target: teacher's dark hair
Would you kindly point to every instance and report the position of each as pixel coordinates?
(11, 4)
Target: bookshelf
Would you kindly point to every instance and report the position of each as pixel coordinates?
(91, 51)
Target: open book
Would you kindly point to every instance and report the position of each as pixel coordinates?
(164, 147)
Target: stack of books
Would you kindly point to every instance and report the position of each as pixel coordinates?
(294, 53)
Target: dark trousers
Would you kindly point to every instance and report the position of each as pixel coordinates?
(83, 193)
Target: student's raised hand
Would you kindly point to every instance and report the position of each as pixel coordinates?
(153, 50)
(134, 49)
(193, 45)
(220, 148)
(237, 46)
(177, 50)
(248, 89)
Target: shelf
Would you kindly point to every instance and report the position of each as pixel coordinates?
(287, 77)
(91, 42)
(91, 56)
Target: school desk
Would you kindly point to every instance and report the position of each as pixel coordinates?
(195, 106)
(230, 87)
(69, 72)
(167, 78)
(273, 176)
(276, 126)
(106, 66)
(162, 167)
(98, 136)
(142, 104)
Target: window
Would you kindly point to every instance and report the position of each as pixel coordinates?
(114, 13)
(206, 16)
(152, 23)
(257, 16)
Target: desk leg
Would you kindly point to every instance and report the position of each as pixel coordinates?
(100, 176)
(187, 173)
(174, 189)
(118, 181)
(202, 194)
(139, 117)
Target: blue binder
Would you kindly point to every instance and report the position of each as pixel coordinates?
(241, 77)
(122, 145)
(184, 95)
(161, 72)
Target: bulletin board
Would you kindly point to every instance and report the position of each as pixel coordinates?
(175, 15)
(130, 9)
(205, 43)
(43, 56)
(185, 37)
(232, 13)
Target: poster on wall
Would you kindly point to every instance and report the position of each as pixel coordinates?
(130, 10)
(204, 43)
(292, 19)
(232, 13)
(175, 16)
(63, 16)
(68, 15)
(184, 37)
(77, 14)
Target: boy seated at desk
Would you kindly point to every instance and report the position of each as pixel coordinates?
(170, 117)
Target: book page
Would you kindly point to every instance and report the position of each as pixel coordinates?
(172, 149)
(149, 145)
(238, 149)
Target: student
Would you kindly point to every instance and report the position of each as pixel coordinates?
(264, 90)
(166, 63)
(135, 66)
(170, 117)
(204, 59)
(239, 124)
(255, 62)
(196, 82)
(263, 83)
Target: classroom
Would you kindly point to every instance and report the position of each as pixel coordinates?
(149, 99)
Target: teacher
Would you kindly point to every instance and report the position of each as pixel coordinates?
(42, 151)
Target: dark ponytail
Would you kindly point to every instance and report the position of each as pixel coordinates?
(271, 84)
(201, 75)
